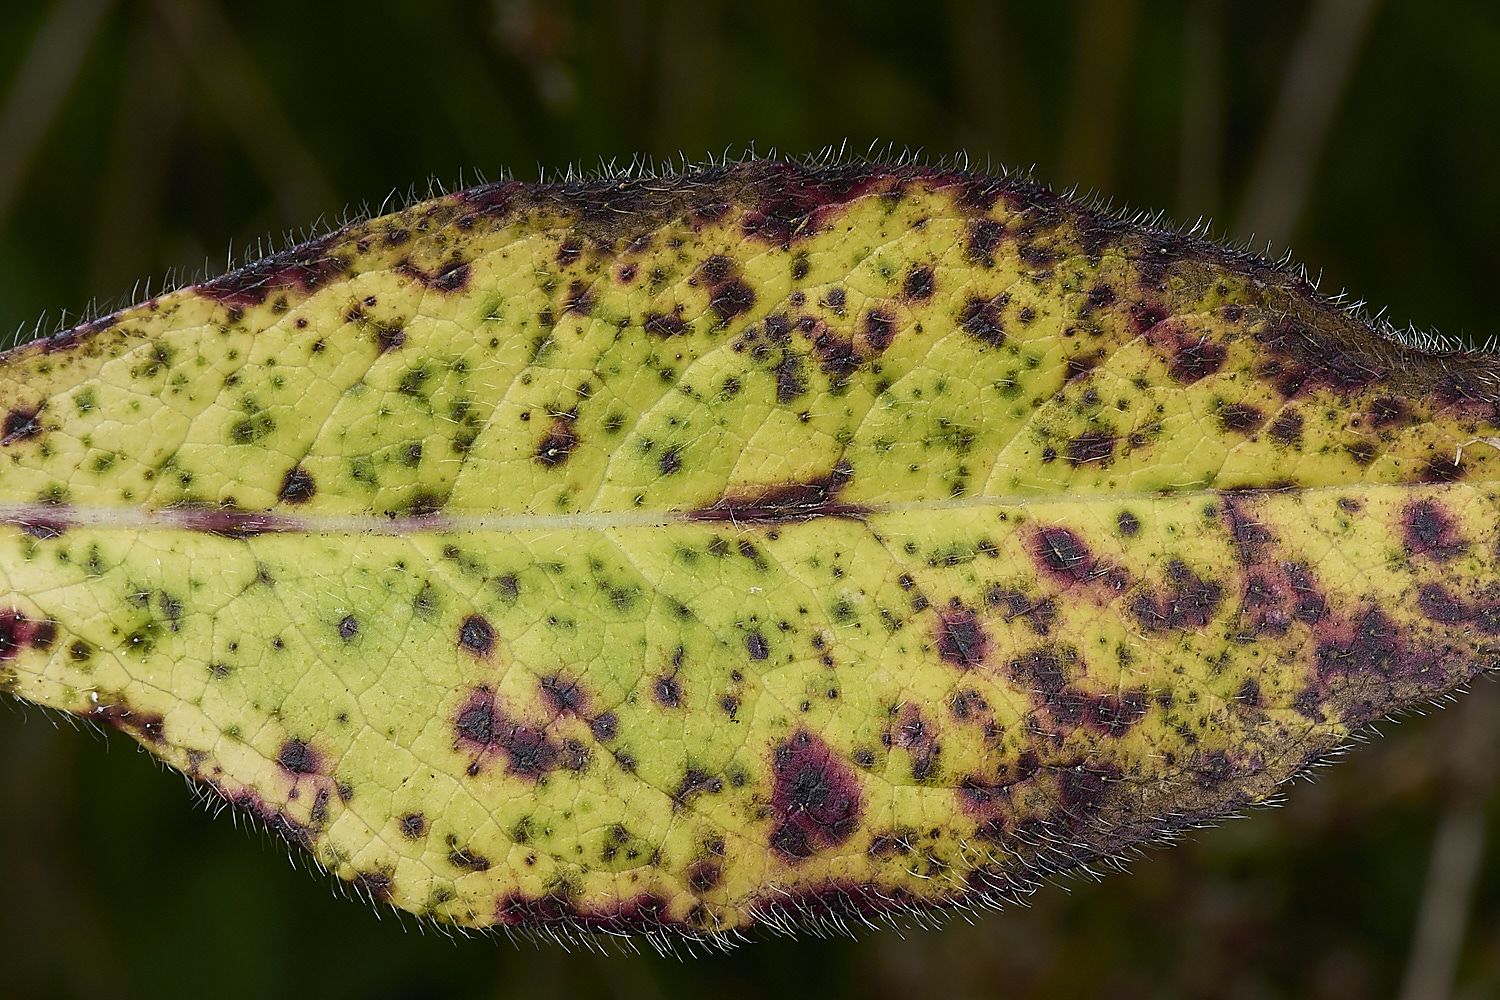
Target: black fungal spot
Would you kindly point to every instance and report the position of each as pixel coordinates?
(667, 691)
(980, 319)
(579, 301)
(1190, 603)
(815, 798)
(731, 299)
(21, 425)
(1064, 554)
(756, 645)
(1091, 447)
(348, 627)
(880, 329)
(665, 325)
(413, 826)
(1240, 417)
(476, 635)
(695, 782)
(919, 284)
(564, 695)
(297, 486)
(983, 238)
(1129, 524)
(605, 727)
(961, 640)
(1429, 532)
(1442, 470)
(670, 462)
(1040, 673)
(558, 443)
(703, 876)
(389, 338)
(468, 861)
(297, 757)
(481, 726)
(1287, 427)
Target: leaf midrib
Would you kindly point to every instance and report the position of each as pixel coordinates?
(181, 519)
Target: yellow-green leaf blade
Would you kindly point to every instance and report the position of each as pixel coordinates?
(697, 552)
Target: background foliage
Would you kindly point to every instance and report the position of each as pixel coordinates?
(148, 137)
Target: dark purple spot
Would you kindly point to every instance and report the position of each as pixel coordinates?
(297, 757)
(919, 284)
(557, 444)
(21, 425)
(961, 640)
(1091, 447)
(1100, 296)
(1039, 672)
(1429, 532)
(484, 729)
(815, 797)
(665, 325)
(1129, 524)
(984, 237)
(376, 885)
(297, 486)
(1196, 359)
(468, 861)
(702, 876)
(1304, 357)
(1287, 427)
(1082, 790)
(791, 201)
(1249, 536)
(149, 726)
(785, 503)
(580, 300)
(880, 329)
(451, 277)
(605, 727)
(1079, 365)
(1190, 603)
(1372, 649)
(731, 299)
(1145, 315)
(565, 695)
(389, 338)
(1038, 614)
(476, 635)
(306, 268)
(1442, 470)
(1387, 411)
(695, 782)
(980, 319)
(1114, 716)
(667, 691)
(1240, 417)
(1064, 554)
(1441, 605)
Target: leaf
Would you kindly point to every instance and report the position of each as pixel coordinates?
(762, 545)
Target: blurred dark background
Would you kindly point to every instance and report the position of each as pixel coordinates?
(146, 138)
